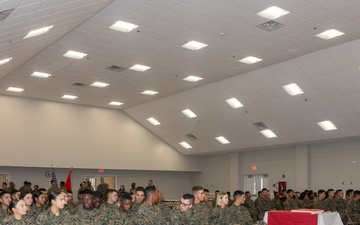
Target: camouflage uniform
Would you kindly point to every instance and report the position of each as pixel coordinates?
(119, 217)
(93, 217)
(264, 204)
(307, 204)
(49, 218)
(250, 205)
(35, 211)
(51, 189)
(109, 208)
(103, 188)
(238, 215)
(25, 188)
(165, 210)
(218, 216)
(193, 217)
(147, 215)
(10, 220)
(353, 208)
(329, 204)
(339, 206)
(135, 206)
(319, 204)
(279, 205)
(204, 210)
(291, 203)
(3, 213)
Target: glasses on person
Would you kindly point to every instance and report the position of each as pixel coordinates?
(184, 204)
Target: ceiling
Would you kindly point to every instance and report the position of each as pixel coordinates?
(326, 70)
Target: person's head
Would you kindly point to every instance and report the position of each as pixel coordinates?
(5, 199)
(330, 193)
(247, 194)
(356, 195)
(304, 196)
(229, 194)
(339, 194)
(36, 187)
(152, 195)
(57, 199)
(239, 196)
(186, 202)
(98, 199)
(290, 193)
(122, 188)
(83, 184)
(297, 195)
(349, 193)
(283, 193)
(70, 196)
(87, 199)
(53, 182)
(276, 194)
(217, 192)
(222, 199)
(198, 193)
(321, 194)
(150, 182)
(125, 202)
(62, 184)
(139, 194)
(15, 194)
(207, 195)
(101, 180)
(18, 207)
(133, 185)
(111, 196)
(64, 191)
(39, 198)
(27, 197)
(12, 184)
(4, 185)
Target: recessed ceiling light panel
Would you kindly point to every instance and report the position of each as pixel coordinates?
(40, 74)
(37, 32)
(185, 145)
(192, 78)
(329, 34)
(115, 103)
(75, 55)
(222, 140)
(272, 13)
(293, 89)
(194, 45)
(153, 121)
(99, 84)
(268, 133)
(69, 97)
(149, 92)
(3, 61)
(123, 26)
(189, 113)
(15, 89)
(250, 60)
(138, 67)
(233, 102)
(327, 125)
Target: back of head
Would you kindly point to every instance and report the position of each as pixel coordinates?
(98, 194)
(125, 196)
(238, 193)
(149, 190)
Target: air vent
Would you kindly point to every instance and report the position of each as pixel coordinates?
(270, 25)
(191, 137)
(5, 14)
(260, 126)
(78, 85)
(116, 68)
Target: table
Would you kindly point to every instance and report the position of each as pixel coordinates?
(302, 218)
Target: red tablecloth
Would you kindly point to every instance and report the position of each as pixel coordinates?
(291, 218)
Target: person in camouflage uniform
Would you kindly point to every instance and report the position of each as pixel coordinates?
(98, 199)
(5, 199)
(219, 213)
(52, 187)
(329, 200)
(186, 213)
(39, 204)
(290, 202)
(199, 198)
(102, 187)
(88, 214)
(149, 213)
(349, 195)
(320, 202)
(264, 202)
(139, 199)
(165, 210)
(25, 188)
(124, 212)
(353, 207)
(18, 211)
(339, 205)
(250, 205)
(237, 213)
(54, 215)
(110, 205)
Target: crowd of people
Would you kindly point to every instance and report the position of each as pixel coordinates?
(145, 206)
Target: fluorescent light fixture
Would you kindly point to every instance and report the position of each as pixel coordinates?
(3, 61)
(233, 102)
(268, 133)
(149, 92)
(75, 55)
(189, 113)
(40, 74)
(250, 60)
(153, 121)
(327, 125)
(293, 89)
(138, 67)
(272, 13)
(115, 103)
(37, 32)
(185, 145)
(194, 45)
(15, 89)
(99, 84)
(69, 97)
(193, 78)
(329, 34)
(123, 26)
(222, 140)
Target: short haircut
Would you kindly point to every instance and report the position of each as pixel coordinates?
(125, 196)
(98, 194)
(356, 193)
(14, 192)
(338, 191)
(189, 197)
(3, 193)
(140, 189)
(246, 192)
(289, 190)
(149, 190)
(349, 191)
(302, 195)
(69, 191)
(321, 191)
(238, 193)
(206, 190)
(197, 189)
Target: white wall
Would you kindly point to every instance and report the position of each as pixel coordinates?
(37, 133)
(172, 184)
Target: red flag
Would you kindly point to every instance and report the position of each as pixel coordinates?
(68, 181)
